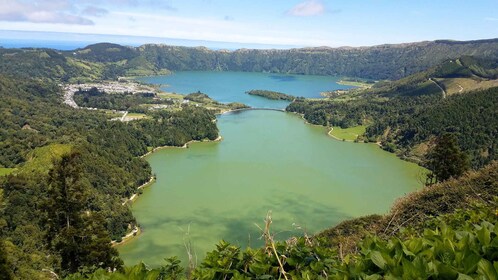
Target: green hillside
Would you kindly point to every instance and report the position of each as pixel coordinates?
(405, 115)
(377, 62)
(38, 133)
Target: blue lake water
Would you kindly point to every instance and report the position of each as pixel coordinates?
(228, 87)
(267, 161)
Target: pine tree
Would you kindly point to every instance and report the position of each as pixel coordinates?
(445, 159)
(74, 232)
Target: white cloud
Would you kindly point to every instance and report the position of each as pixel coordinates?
(41, 11)
(307, 8)
(94, 11)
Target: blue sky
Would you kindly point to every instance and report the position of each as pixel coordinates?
(290, 22)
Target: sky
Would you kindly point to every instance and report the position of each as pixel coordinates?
(331, 23)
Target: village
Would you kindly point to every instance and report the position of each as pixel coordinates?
(176, 101)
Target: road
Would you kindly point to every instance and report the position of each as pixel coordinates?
(442, 89)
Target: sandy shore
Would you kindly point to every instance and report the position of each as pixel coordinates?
(135, 195)
(136, 231)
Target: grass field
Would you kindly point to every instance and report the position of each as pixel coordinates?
(349, 134)
(6, 171)
(41, 159)
(163, 94)
(355, 84)
(136, 115)
(461, 85)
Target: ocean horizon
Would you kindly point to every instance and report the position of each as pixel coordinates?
(71, 41)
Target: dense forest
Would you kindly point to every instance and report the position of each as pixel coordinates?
(37, 132)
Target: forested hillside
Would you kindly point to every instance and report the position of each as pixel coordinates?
(101, 156)
(405, 115)
(108, 61)
(378, 62)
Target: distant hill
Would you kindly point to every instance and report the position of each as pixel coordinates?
(458, 75)
(109, 61)
(377, 62)
(46, 64)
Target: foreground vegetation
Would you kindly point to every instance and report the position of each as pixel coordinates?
(447, 231)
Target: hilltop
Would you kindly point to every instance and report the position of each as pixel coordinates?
(109, 61)
(377, 62)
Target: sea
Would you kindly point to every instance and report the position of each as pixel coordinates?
(71, 41)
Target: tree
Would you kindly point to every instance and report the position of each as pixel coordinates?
(5, 270)
(445, 159)
(75, 232)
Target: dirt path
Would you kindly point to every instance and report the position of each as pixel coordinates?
(124, 116)
(437, 84)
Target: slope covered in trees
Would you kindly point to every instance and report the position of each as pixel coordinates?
(405, 115)
(108, 61)
(37, 131)
(377, 62)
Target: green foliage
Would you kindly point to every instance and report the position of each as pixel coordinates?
(273, 95)
(445, 159)
(77, 234)
(442, 253)
(36, 129)
(6, 171)
(198, 97)
(170, 271)
(401, 122)
(105, 52)
(5, 266)
(378, 62)
(463, 244)
(46, 64)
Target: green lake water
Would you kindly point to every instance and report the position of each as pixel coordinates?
(267, 160)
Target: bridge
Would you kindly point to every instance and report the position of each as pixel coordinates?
(249, 109)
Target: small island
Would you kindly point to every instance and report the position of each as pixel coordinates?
(273, 95)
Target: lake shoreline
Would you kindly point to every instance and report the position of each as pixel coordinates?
(137, 230)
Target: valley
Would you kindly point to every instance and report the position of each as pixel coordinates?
(78, 123)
